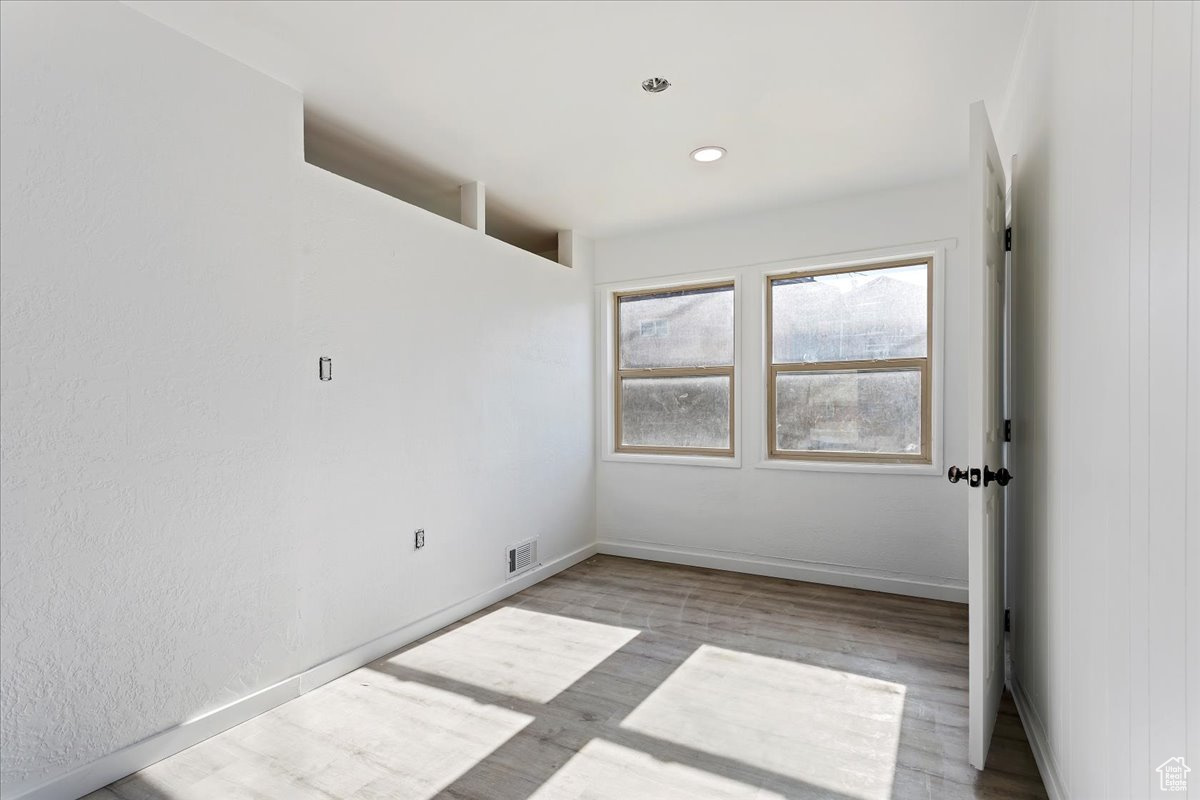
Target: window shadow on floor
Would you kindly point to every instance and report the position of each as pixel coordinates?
(624, 679)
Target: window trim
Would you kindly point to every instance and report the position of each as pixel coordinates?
(619, 375)
(924, 365)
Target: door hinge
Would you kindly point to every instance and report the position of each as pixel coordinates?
(1008, 239)
(1007, 620)
(1008, 430)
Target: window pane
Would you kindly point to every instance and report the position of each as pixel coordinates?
(675, 412)
(850, 316)
(677, 329)
(860, 412)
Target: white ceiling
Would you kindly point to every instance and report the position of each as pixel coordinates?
(541, 100)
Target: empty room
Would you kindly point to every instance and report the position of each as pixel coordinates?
(513, 400)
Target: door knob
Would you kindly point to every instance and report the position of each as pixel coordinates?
(970, 475)
(1001, 476)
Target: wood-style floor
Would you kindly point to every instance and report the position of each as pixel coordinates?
(621, 679)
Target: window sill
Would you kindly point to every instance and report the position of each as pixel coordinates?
(727, 462)
(851, 466)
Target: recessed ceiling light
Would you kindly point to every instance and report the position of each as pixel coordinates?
(656, 85)
(708, 153)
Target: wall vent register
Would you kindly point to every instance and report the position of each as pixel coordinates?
(520, 557)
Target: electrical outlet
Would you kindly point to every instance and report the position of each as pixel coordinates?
(418, 538)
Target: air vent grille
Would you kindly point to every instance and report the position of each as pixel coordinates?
(521, 557)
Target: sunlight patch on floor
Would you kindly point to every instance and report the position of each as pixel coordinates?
(832, 729)
(606, 771)
(521, 653)
(364, 735)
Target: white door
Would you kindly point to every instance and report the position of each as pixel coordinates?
(985, 429)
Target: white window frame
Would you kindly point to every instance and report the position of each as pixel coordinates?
(936, 253)
(851, 367)
(750, 361)
(606, 310)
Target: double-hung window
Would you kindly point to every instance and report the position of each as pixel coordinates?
(848, 372)
(674, 354)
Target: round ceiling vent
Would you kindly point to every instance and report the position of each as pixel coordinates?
(656, 85)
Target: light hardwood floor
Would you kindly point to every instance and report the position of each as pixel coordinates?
(626, 679)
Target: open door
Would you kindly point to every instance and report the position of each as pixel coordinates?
(985, 430)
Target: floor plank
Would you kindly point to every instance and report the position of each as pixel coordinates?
(627, 679)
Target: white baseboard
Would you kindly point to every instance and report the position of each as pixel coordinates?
(1035, 732)
(794, 569)
(140, 755)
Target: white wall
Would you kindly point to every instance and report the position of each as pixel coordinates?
(459, 363)
(148, 532)
(900, 533)
(189, 515)
(1104, 535)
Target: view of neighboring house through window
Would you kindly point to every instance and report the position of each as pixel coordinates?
(849, 363)
(674, 370)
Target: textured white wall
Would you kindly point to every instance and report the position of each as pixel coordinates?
(188, 514)
(1104, 534)
(149, 543)
(907, 530)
